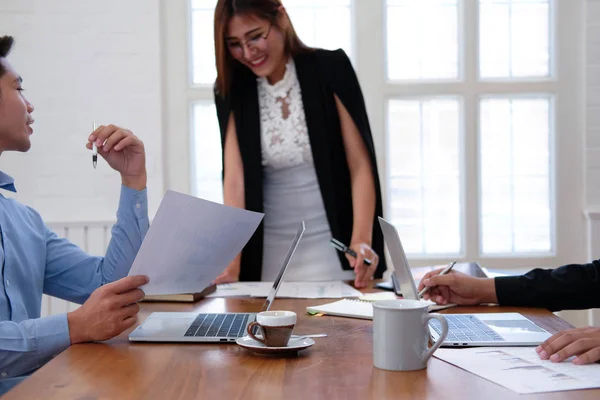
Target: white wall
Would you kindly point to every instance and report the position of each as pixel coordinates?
(593, 104)
(592, 163)
(83, 60)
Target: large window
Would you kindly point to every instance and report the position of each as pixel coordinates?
(428, 185)
(469, 101)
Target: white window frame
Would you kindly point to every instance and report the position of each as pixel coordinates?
(369, 45)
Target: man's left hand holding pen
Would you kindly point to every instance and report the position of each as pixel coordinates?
(123, 151)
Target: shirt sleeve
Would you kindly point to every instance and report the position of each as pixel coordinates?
(338, 72)
(28, 345)
(570, 287)
(73, 275)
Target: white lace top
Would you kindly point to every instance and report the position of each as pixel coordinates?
(284, 134)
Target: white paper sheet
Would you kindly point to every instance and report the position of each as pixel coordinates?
(297, 290)
(190, 242)
(350, 291)
(520, 369)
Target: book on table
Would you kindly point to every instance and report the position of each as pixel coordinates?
(182, 297)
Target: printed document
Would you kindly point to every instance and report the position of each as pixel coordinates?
(190, 242)
(521, 369)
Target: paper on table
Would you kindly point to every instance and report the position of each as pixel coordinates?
(231, 290)
(520, 369)
(350, 291)
(190, 242)
(298, 290)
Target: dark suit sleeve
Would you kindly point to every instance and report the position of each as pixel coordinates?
(340, 75)
(570, 287)
(223, 105)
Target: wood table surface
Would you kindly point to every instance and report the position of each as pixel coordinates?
(339, 366)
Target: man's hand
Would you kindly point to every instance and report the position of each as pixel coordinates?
(110, 310)
(582, 342)
(458, 288)
(363, 272)
(123, 151)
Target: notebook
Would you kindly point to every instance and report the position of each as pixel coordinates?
(352, 308)
(345, 308)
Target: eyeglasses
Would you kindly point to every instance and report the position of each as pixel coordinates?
(255, 42)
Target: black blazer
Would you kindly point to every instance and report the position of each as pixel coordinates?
(321, 73)
(570, 287)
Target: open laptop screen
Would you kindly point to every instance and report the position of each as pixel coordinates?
(402, 276)
(284, 267)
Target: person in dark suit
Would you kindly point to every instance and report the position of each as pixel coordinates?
(297, 146)
(570, 287)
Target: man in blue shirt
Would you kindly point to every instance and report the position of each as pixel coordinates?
(34, 260)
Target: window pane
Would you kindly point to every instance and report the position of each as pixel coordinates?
(203, 45)
(514, 38)
(422, 39)
(424, 174)
(516, 211)
(323, 23)
(206, 145)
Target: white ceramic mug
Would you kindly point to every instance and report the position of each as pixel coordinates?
(401, 334)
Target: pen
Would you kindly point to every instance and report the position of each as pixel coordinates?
(444, 272)
(345, 249)
(94, 149)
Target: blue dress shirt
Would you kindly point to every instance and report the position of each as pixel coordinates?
(34, 260)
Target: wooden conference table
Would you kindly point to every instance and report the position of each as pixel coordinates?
(339, 366)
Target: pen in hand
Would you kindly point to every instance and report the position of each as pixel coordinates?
(94, 149)
(444, 272)
(345, 249)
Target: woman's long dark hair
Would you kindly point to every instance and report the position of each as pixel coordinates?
(264, 9)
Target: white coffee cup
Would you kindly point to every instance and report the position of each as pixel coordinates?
(401, 334)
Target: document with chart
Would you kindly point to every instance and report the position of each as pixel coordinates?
(190, 242)
(521, 369)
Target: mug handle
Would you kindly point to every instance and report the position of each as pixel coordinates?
(440, 340)
(252, 326)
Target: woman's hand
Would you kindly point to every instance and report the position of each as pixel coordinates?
(363, 272)
(231, 273)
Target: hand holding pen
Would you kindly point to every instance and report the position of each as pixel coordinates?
(457, 288)
(94, 149)
(364, 264)
(123, 151)
(444, 272)
(345, 249)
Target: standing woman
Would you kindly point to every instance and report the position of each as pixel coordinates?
(297, 146)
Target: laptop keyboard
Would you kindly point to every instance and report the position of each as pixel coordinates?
(466, 328)
(218, 325)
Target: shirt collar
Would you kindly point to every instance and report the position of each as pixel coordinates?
(7, 182)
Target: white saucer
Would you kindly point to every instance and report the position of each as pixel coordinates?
(294, 345)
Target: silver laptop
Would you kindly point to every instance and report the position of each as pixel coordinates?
(493, 329)
(207, 327)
